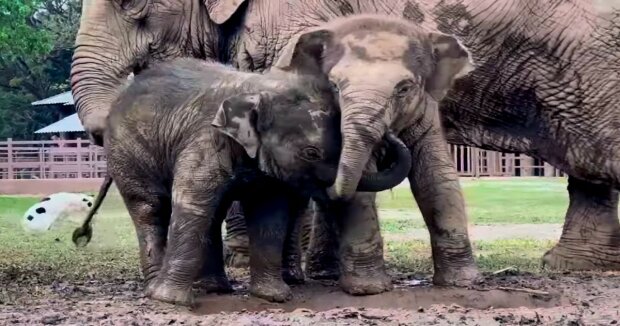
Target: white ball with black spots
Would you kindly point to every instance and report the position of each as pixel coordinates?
(42, 215)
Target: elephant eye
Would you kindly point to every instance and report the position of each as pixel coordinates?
(404, 87)
(334, 87)
(311, 154)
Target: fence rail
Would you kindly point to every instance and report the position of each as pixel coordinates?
(78, 159)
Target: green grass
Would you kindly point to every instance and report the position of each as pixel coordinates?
(511, 201)
(524, 254)
(113, 251)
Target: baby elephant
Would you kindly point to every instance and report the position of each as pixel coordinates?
(176, 137)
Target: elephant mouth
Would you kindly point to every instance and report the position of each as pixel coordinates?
(389, 177)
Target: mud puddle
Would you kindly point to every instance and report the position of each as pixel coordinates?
(554, 299)
(318, 296)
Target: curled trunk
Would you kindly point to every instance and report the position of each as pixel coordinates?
(389, 178)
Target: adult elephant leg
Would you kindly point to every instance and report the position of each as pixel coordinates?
(322, 259)
(292, 273)
(305, 228)
(362, 268)
(436, 189)
(236, 240)
(591, 236)
(267, 216)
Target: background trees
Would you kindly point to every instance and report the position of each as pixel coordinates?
(36, 45)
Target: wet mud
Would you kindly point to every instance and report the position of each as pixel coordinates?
(523, 299)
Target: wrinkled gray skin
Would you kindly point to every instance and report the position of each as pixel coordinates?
(415, 97)
(190, 126)
(545, 85)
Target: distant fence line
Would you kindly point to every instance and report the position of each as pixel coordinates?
(78, 159)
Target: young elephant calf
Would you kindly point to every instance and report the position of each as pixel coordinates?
(174, 139)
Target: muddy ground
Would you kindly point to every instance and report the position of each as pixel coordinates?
(503, 299)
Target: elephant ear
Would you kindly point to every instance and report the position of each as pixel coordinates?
(306, 52)
(241, 117)
(135, 9)
(221, 10)
(452, 61)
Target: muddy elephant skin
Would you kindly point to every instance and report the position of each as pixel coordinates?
(177, 138)
(545, 84)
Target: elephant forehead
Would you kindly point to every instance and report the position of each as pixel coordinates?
(303, 120)
(372, 45)
(359, 72)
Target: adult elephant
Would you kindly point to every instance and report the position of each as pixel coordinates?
(538, 89)
(546, 84)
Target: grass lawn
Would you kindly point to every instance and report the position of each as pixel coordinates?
(509, 201)
(113, 250)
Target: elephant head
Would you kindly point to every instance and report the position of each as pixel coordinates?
(118, 37)
(389, 74)
(295, 138)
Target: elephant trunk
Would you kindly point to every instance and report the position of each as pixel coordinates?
(363, 126)
(391, 177)
(98, 69)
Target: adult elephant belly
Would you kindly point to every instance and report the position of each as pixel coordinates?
(562, 121)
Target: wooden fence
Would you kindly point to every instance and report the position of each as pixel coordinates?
(78, 159)
(48, 159)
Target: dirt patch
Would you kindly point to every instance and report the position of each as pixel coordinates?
(320, 296)
(572, 299)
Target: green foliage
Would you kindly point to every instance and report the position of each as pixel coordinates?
(19, 34)
(36, 45)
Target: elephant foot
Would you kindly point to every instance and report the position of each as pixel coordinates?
(293, 275)
(584, 257)
(374, 283)
(215, 284)
(591, 235)
(457, 276)
(274, 291)
(322, 268)
(453, 260)
(164, 292)
(236, 242)
(330, 273)
(236, 257)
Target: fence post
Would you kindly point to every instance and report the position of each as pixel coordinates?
(475, 154)
(510, 162)
(42, 174)
(91, 160)
(492, 163)
(527, 166)
(79, 157)
(9, 152)
(549, 170)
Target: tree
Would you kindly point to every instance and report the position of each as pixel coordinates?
(36, 45)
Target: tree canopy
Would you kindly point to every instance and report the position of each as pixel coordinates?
(36, 45)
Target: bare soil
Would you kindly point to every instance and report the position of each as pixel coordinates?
(524, 299)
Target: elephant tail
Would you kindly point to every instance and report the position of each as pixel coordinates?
(82, 235)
